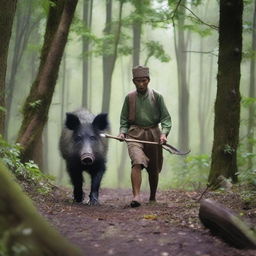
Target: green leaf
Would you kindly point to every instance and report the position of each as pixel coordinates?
(2, 109)
(155, 49)
(248, 101)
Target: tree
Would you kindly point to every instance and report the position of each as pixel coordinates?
(252, 93)
(110, 47)
(22, 227)
(227, 104)
(7, 12)
(25, 23)
(35, 111)
(183, 93)
(87, 19)
(137, 30)
(204, 86)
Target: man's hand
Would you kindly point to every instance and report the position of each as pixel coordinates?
(121, 136)
(163, 139)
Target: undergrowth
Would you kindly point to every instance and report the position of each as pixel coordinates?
(191, 172)
(28, 174)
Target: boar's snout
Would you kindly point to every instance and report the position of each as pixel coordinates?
(87, 159)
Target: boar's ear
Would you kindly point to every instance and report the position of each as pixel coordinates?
(72, 121)
(100, 122)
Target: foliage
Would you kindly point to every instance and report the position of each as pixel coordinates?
(2, 109)
(247, 102)
(246, 174)
(228, 149)
(45, 4)
(102, 46)
(203, 32)
(35, 104)
(155, 49)
(3, 251)
(248, 196)
(192, 172)
(189, 173)
(27, 173)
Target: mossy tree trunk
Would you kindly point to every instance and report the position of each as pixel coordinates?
(35, 111)
(227, 104)
(22, 228)
(7, 12)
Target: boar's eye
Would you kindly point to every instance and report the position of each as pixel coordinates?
(92, 138)
(78, 138)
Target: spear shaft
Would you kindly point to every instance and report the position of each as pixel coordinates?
(166, 146)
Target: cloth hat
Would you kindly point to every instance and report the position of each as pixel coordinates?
(140, 71)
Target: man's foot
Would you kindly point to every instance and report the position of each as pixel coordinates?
(152, 202)
(152, 199)
(135, 204)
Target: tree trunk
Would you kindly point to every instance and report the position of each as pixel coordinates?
(204, 92)
(137, 30)
(227, 104)
(63, 106)
(90, 64)
(109, 59)
(87, 7)
(18, 215)
(38, 102)
(201, 95)
(136, 42)
(7, 12)
(180, 49)
(23, 29)
(251, 123)
(34, 57)
(224, 223)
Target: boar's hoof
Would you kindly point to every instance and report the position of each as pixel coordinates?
(93, 202)
(79, 198)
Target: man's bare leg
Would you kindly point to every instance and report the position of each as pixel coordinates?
(136, 182)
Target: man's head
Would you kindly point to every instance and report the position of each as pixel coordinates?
(141, 78)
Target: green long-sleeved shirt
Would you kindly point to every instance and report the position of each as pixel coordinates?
(148, 113)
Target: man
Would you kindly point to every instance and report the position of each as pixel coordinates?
(142, 112)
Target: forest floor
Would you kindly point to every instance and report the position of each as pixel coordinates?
(169, 227)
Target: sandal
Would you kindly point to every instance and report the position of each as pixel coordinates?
(135, 204)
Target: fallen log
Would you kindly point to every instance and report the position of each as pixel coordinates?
(223, 223)
(23, 230)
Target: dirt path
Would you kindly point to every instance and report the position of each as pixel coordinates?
(170, 227)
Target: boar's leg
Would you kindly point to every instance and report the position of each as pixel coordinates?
(95, 185)
(77, 180)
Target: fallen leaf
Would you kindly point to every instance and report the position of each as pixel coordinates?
(150, 217)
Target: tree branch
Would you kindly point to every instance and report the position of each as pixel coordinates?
(200, 20)
(209, 52)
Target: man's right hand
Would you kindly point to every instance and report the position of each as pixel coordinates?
(121, 136)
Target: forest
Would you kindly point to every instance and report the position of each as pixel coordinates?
(57, 56)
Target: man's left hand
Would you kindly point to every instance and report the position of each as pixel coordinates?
(163, 139)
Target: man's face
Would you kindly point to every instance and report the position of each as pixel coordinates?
(141, 84)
